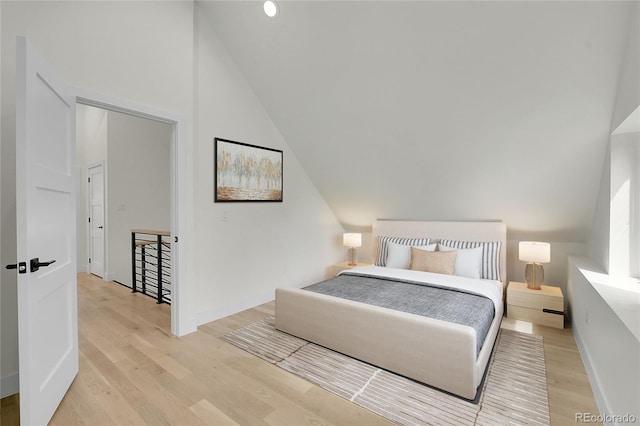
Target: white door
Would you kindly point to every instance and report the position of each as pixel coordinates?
(46, 228)
(96, 220)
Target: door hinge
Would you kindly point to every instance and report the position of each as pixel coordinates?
(89, 260)
(89, 180)
(89, 220)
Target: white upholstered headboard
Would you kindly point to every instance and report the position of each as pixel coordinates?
(464, 231)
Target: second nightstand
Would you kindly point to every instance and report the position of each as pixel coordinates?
(544, 306)
(343, 266)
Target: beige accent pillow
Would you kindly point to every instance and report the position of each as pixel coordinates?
(440, 262)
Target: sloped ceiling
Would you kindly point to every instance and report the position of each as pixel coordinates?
(440, 110)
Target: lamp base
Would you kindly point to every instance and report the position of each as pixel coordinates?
(352, 262)
(534, 276)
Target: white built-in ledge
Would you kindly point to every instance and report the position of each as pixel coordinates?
(622, 294)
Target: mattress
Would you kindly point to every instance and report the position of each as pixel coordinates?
(428, 299)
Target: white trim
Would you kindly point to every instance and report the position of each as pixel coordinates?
(105, 219)
(229, 309)
(123, 106)
(9, 385)
(180, 323)
(601, 401)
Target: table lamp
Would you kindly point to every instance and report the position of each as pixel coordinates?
(536, 253)
(352, 240)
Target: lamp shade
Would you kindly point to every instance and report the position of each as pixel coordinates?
(535, 251)
(352, 240)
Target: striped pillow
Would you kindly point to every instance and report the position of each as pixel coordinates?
(383, 249)
(490, 256)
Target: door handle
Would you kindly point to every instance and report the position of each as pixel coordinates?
(21, 267)
(100, 227)
(36, 264)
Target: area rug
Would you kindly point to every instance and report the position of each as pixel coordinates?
(514, 390)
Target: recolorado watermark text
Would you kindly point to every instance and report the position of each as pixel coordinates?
(605, 418)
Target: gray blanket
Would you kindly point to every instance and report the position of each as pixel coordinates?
(428, 300)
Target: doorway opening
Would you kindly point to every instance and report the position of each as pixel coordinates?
(96, 208)
(132, 176)
(134, 196)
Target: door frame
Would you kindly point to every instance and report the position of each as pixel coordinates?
(180, 324)
(102, 163)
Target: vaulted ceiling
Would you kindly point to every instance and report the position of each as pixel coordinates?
(440, 110)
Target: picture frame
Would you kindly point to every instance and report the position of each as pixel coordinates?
(247, 173)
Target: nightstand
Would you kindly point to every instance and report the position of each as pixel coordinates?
(544, 306)
(343, 266)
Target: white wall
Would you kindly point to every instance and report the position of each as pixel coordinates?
(441, 110)
(8, 290)
(145, 52)
(608, 347)
(624, 193)
(598, 241)
(138, 186)
(629, 83)
(8, 326)
(91, 148)
(248, 249)
(627, 101)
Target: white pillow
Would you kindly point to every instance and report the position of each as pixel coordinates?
(381, 256)
(468, 261)
(490, 269)
(399, 255)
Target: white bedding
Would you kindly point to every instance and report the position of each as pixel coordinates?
(488, 288)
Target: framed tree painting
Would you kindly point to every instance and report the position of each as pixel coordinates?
(246, 172)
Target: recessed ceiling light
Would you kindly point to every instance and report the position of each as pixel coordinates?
(270, 8)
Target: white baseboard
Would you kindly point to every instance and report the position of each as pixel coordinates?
(215, 314)
(191, 326)
(109, 276)
(603, 406)
(9, 385)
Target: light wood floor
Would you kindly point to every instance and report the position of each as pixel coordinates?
(132, 371)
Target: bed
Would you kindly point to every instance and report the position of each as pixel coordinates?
(442, 353)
